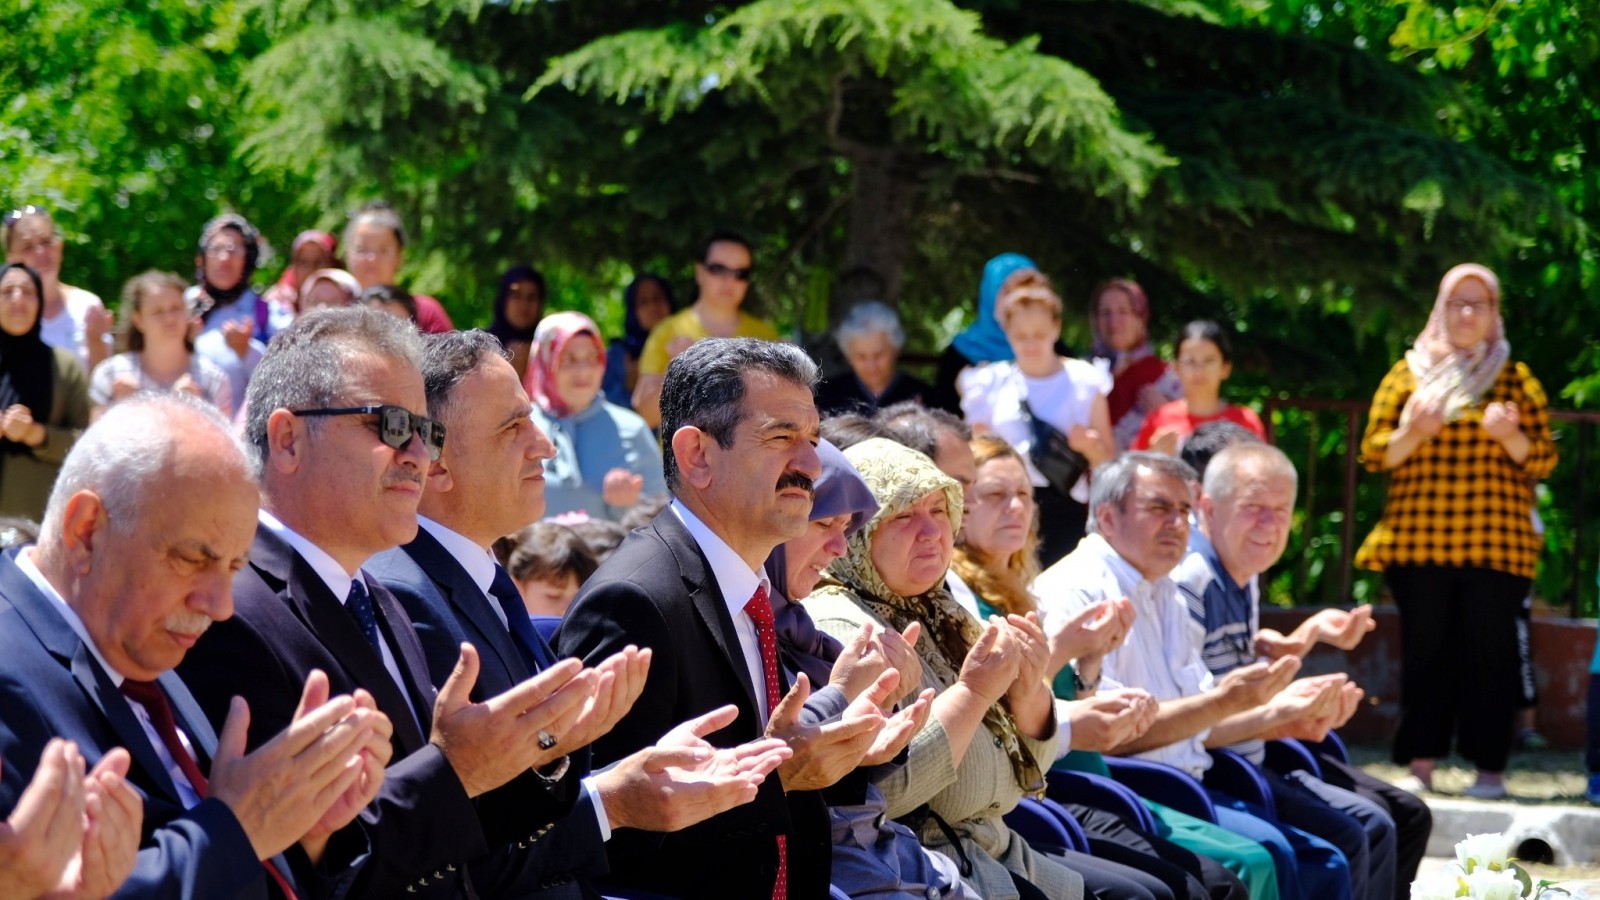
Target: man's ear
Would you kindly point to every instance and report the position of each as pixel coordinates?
(1205, 507)
(693, 448)
(286, 441)
(82, 523)
(438, 479)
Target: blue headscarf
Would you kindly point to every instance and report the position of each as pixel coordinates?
(983, 341)
(633, 332)
(840, 490)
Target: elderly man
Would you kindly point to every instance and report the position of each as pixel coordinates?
(741, 463)
(1245, 510)
(335, 422)
(1139, 507)
(488, 483)
(723, 278)
(151, 516)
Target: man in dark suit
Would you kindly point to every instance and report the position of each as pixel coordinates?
(152, 512)
(740, 461)
(488, 482)
(336, 426)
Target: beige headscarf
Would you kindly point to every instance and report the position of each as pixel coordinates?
(1444, 372)
(899, 477)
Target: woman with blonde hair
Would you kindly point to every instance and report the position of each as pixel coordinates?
(158, 348)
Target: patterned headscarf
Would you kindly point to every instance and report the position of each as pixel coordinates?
(1446, 372)
(549, 340)
(899, 477)
(1138, 302)
(984, 340)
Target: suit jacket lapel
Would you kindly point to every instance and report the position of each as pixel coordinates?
(467, 600)
(409, 657)
(706, 596)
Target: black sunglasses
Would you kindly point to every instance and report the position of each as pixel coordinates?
(396, 425)
(722, 271)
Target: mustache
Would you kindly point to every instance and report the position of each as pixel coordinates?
(187, 622)
(402, 476)
(799, 480)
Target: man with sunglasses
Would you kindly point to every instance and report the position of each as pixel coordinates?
(336, 425)
(723, 278)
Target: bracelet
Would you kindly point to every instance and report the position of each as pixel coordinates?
(561, 765)
(1079, 686)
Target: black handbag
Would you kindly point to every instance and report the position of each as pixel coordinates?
(1050, 453)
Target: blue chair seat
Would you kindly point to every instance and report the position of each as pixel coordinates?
(1237, 777)
(1164, 785)
(1290, 755)
(1100, 792)
(1046, 826)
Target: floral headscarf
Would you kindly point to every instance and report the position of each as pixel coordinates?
(1138, 302)
(899, 477)
(1445, 372)
(549, 340)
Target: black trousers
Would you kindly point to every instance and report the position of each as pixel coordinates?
(1460, 670)
(1413, 822)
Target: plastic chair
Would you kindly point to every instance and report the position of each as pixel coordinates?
(1164, 785)
(835, 893)
(1042, 828)
(1333, 746)
(546, 626)
(1290, 755)
(1100, 792)
(1237, 777)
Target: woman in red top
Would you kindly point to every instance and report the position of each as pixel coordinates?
(1119, 314)
(1204, 363)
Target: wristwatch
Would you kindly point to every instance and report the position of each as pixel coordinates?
(1079, 685)
(558, 769)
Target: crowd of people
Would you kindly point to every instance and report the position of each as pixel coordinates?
(327, 598)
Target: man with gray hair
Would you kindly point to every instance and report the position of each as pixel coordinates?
(336, 419)
(741, 463)
(1245, 512)
(152, 514)
(1139, 509)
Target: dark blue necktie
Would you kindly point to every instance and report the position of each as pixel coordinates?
(504, 590)
(359, 603)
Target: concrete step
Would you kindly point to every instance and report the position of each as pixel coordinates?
(1565, 835)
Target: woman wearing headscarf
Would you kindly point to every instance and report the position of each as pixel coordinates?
(234, 321)
(1464, 433)
(44, 398)
(874, 857)
(646, 303)
(311, 251)
(984, 341)
(1142, 382)
(606, 458)
(74, 319)
(158, 352)
(518, 305)
(992, 731)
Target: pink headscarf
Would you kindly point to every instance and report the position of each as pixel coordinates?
(1458, 376)
(1137, 301)
(550, 339)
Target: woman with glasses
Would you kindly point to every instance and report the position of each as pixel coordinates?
(44, 397)
(375, 247)
(158, 352)
(235, 322)
(73, 319)
(606, 458)
(1464, 433)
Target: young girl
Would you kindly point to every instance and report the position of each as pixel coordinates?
(1204, 363)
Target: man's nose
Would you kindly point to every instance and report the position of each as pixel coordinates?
(542, 447)
(807, 461)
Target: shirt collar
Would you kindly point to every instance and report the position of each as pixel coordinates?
(478, 562)
(25, 563)
(328, 569)
(735, 578)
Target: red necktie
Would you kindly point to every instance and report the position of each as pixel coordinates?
(149, 695)
(760, 611)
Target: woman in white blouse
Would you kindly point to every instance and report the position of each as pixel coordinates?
(158, 349)
(1037, 394)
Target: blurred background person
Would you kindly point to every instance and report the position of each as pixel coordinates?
(549, 564)
(157, 349)
(234, 324)
(310, 251)
(328, 288)
(606, 457)
(647, 301)
(1119, 314)
(871, 339)
(1205, 360)
(392, 299)
(984, 341)
(73, 319)
(44, 398)
(375, 249)
(518, 306)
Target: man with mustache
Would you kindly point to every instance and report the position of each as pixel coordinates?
(337, 427)
(489, 482)
(152, 514)
(1139, 509)
(740, 459)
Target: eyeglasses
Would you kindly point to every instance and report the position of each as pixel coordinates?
(1460, 306)
(722, 271)
(396, 425)
(17, 215)
(222, 249)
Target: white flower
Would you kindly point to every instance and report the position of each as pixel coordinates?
(1487, 885)
(1484, 851)
(1441, 885)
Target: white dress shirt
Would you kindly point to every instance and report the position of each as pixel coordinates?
(186, 792)
(738, 583)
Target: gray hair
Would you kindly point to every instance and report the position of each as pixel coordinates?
(870, 318)
(1112, 481)
(123, 456)
(704, 387)
(1222, 474)
(448, 359)
(305, 364)
(918, 427)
